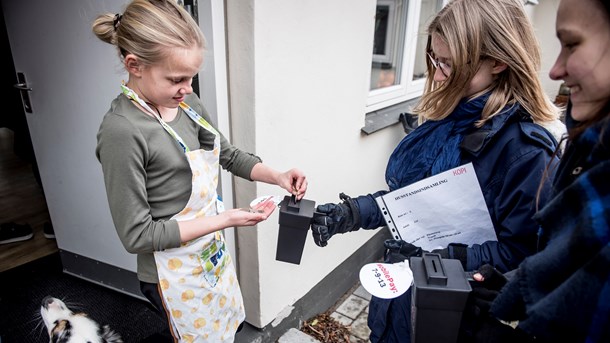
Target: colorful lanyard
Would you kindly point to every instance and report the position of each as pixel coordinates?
(187, 109)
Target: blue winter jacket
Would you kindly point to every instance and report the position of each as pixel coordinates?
(509, 155)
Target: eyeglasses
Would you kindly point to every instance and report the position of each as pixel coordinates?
(444, 67)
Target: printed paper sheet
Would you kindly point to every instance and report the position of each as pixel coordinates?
(446, 208)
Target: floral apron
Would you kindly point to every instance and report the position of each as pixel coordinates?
(197, 280)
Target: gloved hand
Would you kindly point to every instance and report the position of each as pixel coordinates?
(399, 250)
(485, 288)
(477, 324)
(335, 218)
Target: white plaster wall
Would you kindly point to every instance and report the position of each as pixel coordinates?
(543, 18)
(298, 74)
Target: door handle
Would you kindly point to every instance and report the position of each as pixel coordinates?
(23, 88)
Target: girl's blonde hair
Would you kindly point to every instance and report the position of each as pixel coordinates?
(149, 29)
(475, 30)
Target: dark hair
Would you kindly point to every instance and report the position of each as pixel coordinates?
(606, 5)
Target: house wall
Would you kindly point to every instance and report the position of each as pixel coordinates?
(298, 80)
(543, 17)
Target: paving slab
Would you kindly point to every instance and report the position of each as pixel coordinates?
(363, 293)
(296, 336)
(352, 306)
(343, 320)
(360, 327)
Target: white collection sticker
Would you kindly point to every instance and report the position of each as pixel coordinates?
(385, 280)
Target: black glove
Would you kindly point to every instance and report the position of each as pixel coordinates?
(477, 325)
(335, 218)
(484, 292)
(399, 250)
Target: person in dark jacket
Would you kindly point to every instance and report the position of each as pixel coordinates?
(484, 104)
(562, 293)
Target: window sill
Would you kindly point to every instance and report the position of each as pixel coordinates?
(386, 117)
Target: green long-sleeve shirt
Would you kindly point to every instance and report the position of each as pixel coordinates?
(147, 176)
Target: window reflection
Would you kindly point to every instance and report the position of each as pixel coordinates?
(388, 45)
(389, 41)
(429, 8)
(382, 18)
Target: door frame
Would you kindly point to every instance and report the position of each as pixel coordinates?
(213, 86)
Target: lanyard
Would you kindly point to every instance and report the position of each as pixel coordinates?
(187, 109)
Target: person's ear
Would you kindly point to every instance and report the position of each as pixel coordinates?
(132, 64)
(498, 67)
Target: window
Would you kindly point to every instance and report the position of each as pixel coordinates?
(398, 64)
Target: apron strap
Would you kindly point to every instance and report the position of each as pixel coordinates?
(187, 109)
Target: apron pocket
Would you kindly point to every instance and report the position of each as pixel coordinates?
(213, 261)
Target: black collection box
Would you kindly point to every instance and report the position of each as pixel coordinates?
(294, 220)
(439, 294)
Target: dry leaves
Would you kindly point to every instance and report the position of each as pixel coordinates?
(326, 329)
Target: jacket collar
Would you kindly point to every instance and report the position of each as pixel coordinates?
(477, 140)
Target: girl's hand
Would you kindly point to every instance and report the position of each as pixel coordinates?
(266, 207)
(294, 181)
(250, 217)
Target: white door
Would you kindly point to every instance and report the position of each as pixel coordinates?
(73, 77)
